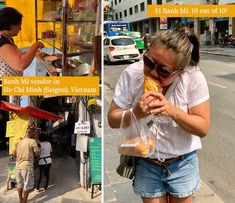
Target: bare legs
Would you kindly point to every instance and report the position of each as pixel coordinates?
(167, 199)
(162, 199)
(23, 195)
(188, 199)
(20, 192)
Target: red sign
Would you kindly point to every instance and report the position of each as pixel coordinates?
(163, 23)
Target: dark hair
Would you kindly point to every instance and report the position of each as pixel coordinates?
(42, 137)
(31, 132)
(9, 16)
(195, 56)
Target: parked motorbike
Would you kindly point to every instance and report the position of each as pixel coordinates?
(229, 41)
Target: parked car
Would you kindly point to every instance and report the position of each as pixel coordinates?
(120, 48)
(139, 40)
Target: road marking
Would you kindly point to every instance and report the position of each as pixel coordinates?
(217, 85)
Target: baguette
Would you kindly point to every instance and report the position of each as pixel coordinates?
(151, 84)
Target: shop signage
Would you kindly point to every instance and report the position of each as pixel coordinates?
(163, 23)
(82, 143)
(95, 159)
(82, 127)
(10, 131)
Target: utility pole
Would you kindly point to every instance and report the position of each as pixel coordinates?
(212, 24)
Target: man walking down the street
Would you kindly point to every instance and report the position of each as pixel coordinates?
(25, 151)
(146, 41)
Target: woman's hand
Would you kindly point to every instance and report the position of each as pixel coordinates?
(160, 105)
(196, 121)
(142, 110)
(39, 45)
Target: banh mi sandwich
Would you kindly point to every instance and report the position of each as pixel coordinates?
(151, 84)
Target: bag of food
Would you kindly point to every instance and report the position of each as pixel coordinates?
(137, 139)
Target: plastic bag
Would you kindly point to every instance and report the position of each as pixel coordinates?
(137, 139)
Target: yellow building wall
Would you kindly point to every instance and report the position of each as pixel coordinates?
(27, 35)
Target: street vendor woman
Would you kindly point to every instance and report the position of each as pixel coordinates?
(12, 61)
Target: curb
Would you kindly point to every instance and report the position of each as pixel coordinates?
(217, 54)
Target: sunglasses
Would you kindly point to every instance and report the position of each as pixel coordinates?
(153, 66)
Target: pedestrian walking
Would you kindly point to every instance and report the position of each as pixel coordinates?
(171, 173)
(25, 151)
(44, 162)
(146, 41)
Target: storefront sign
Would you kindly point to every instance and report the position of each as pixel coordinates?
(163, 23)
(95, 160)
(82, 143)
(190, 11)
(10, 131)
(82, 127)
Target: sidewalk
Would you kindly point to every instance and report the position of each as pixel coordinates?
(118, 189)
(216, 50)
(63, 187)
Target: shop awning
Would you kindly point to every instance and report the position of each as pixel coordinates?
(34, 112)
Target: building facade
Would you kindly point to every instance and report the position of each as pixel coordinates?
(135, 11)
(209, 30)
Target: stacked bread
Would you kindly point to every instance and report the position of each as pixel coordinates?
(137, 146)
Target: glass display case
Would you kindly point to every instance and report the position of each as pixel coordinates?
(2, 4)
(67, 28)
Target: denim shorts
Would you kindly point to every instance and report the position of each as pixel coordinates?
(155, 181)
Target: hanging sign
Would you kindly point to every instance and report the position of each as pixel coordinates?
(82, 127)
(163, 23)
(10, 131)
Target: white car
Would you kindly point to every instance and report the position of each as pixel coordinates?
(120, 48)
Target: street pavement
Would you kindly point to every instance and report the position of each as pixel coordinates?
(118, 189)
(63, 187)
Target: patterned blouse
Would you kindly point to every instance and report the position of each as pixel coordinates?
(5, 69)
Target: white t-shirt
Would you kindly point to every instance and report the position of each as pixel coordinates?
(190, 91)
(45, 156)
